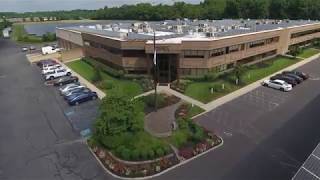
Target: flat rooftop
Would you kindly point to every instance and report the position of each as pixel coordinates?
(173, 31)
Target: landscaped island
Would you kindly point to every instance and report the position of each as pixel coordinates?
(126, 149)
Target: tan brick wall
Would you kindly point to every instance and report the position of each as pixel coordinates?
(72, 54)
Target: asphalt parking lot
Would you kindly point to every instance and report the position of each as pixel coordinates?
(267, 134)
(80, 117)
(37, 142)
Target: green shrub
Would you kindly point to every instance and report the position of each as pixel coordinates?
(210, 76)
(125, 154)
(160, 152)
(151, 154)
(149, 100)
(144, 155)
(135, 155)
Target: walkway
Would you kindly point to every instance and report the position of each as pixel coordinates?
(159, 123)
(229, 97)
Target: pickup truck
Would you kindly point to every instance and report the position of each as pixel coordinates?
(57, 73)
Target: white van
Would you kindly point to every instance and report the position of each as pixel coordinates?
(49, 50)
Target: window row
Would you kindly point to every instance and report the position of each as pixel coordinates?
(304, 33)
(124, 53)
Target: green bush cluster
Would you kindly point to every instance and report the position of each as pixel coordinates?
(127, 151)
(188, 132)
(149, 100)
(49, 37)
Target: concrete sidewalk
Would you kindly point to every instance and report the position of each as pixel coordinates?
(218, 102)
(229, 97)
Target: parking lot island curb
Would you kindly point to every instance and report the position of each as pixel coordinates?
(82, 80)
(158, 174)
(229, 97)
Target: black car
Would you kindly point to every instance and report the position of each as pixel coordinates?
(66, 80)
(303, 75)
(46, 61)
(294, 76)
(287, 79)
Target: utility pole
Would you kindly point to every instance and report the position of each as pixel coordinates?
(155, 79)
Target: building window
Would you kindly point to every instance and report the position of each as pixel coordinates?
(304, 33)
(194, 54)
(256, 43)
(217, 52)
(234, 48)
(133, 53)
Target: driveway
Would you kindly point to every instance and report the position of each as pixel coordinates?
(267, 134)
(36, 139)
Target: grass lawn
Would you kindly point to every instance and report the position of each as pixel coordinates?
(19, 34)
(308, 52)
(122, 87)
(201, 90)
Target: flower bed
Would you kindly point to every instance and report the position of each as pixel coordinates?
(190, 150)
(131, 168)
(187, 110)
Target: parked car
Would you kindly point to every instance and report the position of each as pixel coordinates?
(303, 75)
(51, 68)
(57, 73)
(66, 80)
(69, 88)
(287, 79)
(277, 84)
(84, 97)
(75, 92)
(32, 48)
(46, 61)
(294, 76)
(49, 50)
(24, 49)
(48, 64)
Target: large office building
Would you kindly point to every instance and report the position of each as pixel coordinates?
(186, 47)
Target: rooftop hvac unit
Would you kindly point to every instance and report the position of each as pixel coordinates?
(209, 34)
(115, 28)
(99, 26)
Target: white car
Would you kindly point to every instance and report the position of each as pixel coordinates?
(70, 87)
(277, 84)
(51, 68)
(57, 73)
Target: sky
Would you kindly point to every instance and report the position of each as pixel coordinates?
(51, 5)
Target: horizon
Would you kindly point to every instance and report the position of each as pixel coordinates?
(21, 6)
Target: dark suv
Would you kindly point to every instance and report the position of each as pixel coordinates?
(303, 75)
(66, 80)
(285, 78)
(294, 76)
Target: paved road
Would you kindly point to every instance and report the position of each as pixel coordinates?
(268, 134)
(37, 141)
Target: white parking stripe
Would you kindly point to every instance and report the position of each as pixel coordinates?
(311, 173)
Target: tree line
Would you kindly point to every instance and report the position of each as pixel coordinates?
(208, 9)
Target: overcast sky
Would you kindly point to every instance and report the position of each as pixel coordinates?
(45, 5)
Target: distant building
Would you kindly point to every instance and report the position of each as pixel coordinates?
(194, 48)
(6, 32)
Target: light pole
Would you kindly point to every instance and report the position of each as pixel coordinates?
(155, 79)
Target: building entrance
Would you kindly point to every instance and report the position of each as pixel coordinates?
(167, 66)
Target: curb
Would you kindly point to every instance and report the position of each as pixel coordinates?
(231, 96)
(160, 173)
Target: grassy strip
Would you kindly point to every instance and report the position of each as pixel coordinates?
(308, 52)
(202, 90)
(119, 86)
